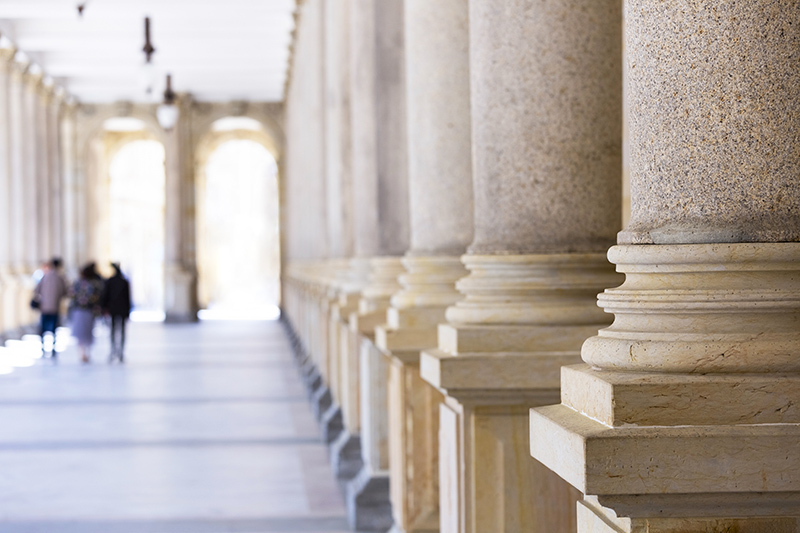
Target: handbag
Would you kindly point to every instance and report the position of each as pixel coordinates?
(35, 304)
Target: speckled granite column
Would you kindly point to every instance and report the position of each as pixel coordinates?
(440, 193)
(546, 109)
(687, 412)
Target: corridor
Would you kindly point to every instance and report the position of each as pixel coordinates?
(205, 429)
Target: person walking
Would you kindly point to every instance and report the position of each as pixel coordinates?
(86, 293)
(51, 289)
(116, 303)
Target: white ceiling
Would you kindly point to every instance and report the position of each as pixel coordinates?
(218, 50)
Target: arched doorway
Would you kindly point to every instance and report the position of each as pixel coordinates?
(136, 221)
(238, 239)
(125, 183)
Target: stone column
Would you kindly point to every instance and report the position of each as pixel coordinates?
(304, 204)
(55, 172)
(349, 274)
(381, 227)
(440, 194)
(17, 306)
(686, 415)
(43, 155)
(73, 232)
(7, 285)
(180, 294)
(24, 239)
(546, 112)
(306, 201)
(31, 112)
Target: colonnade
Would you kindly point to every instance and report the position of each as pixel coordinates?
(37, 200)
(54, 181)
(453, 196)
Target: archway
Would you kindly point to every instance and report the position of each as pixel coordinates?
(238, 250)
(125, 184)
(136, 221)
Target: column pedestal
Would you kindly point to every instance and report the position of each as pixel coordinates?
(27, 317)
(9, 289)
(530, 314)
(687, 416)
(180, 297)
(429, 287)
(345, 451)
(367, 495)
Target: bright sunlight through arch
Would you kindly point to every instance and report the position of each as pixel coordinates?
(137, 197)
(238, 244)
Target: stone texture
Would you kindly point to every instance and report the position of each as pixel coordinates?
(594, 518)
(7, 285)
(30, 146)
(17, 159)
(702, 308)
(338, 135)
(392, 127)
(304, 209)
(546, 114)
(380, 197)
(440, 163)
(363, 105)
(546, 134)
(714, 122)
(413, 449)
(685, 418)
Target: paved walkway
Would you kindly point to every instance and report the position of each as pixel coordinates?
(205, 429)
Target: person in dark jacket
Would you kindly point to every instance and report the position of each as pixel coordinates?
(116, 302)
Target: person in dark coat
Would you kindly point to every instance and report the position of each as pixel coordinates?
(116, 303)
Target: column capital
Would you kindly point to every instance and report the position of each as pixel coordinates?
(33, 77)
(7, 56)
(60, 96)
(46, 90)
(19, 67)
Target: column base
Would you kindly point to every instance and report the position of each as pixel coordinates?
(345, 454)
(594, 518)
(180, 296)
(180, 318)
(332, 424)
(523, 317)
(678, 463)
(488, 481)
(687, 416)
(367, 500)
(9, 289)
(313, 378)
(413, 446)
(321, 400)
